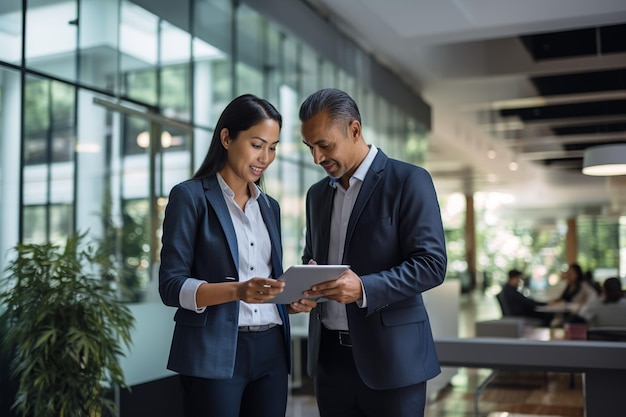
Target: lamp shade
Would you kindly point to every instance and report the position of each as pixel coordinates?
(605, 160)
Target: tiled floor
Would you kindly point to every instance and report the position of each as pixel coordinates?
(508, 394)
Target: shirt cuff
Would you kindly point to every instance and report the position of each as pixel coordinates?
(187, 295)
(362, 303)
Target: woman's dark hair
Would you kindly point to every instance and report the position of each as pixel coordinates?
(240, 114)
(338, 104)
(570, 291)
(580, 275)
(612, 290)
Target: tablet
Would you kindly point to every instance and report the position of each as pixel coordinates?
(300, 278)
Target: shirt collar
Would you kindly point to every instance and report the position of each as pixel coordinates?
(254, 189)
(361, 171)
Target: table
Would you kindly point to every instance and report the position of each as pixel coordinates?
(570, 331)
(558, 308)
(602, 363)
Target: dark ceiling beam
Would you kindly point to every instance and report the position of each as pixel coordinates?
(517, 124)
(567, 139)
(540, 156)
(540, 101)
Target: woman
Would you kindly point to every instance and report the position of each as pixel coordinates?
(609, 310)
(221, 252)
(578, 294)
(578, 291)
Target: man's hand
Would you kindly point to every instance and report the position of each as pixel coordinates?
(303, 305)
(346, 289)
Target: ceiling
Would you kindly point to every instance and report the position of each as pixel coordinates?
(529, 82)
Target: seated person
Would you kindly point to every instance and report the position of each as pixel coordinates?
(608, 310)
(578, 294)
(518, 304)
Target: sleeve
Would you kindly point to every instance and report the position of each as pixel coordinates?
(418, 229)
(178, 248)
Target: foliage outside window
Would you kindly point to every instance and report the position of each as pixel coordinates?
(598, 245)
(48, 121)
(502, 243)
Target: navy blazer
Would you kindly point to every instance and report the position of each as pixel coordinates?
(395, 243)
(199, 241)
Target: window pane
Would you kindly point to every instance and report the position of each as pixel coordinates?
(48, 121)
(175, 56)
(60, 222)
(98, 159)
(212, 21)
(51, 38)
(10, 149)
(139, 52)
(309, 79)
(135, 205)
(274, 60)
(176, 92)
(250, 36)
(175, 45)
(136, 248)
(327, 74)
(174, 163)
(36, 120)
(34, 224)
(11, 31)
(98, 43)
(62, 122)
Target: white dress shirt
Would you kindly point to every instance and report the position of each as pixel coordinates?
(334, 313)
(255, 258)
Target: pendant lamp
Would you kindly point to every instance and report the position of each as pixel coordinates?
(605, 160)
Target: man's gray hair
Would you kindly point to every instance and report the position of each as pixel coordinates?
(338, 104)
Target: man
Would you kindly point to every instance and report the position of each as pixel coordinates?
(517, 304)
(371, 349)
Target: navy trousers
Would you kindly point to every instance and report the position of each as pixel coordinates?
(258, 387)
(340, 391)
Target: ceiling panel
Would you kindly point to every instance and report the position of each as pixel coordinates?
(539, 81)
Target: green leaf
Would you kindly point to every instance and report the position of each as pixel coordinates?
(66, 326)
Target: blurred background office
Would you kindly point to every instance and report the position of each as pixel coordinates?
(106, 104)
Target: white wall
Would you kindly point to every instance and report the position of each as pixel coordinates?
(442, 304)
(147, 357)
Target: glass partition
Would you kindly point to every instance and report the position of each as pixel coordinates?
(98, 43)
(129, 171)
(11, 31)
(120, 100)
(139, 53)
(48, 171)
(51, 38)
(250, 69)
(10, 160)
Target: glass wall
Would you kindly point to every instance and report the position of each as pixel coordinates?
(119, 99)
(10, 158)
(599, 243)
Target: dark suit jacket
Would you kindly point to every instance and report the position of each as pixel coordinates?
(517, 304)
(395, 243)
(199, 241)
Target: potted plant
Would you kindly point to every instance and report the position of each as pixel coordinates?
(65, 327)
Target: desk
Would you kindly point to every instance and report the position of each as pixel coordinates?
(602, 363)
(570, 331)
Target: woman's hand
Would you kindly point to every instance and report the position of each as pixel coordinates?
(259, 290)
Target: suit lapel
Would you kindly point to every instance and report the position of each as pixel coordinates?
(324, 213)
(215, 198)
(269, 218)
(372, 178)
(272, 228)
